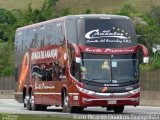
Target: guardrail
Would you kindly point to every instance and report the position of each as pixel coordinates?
(6, 94)
(6, 83)
(6, 87)
(150, 87)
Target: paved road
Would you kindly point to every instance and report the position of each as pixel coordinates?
(12, 106)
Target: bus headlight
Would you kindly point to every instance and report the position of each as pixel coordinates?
(134, 91)
(85, 90)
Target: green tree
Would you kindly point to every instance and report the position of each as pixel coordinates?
(65, 11)
(88, 11)
(148, 36)
(6, 17)
(6, 63)
(52, 4)
(48, 10)
(127, 10)
(155, 14)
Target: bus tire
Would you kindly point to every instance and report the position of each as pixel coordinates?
(66, 107)
(28, 104)
(24, 105)
(77, 109)
(42, 108)
(118, 109)
(24, 101)
(24, 98)
(80, 108)
(34, 106)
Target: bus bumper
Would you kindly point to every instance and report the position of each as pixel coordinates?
(110, 101)
(89, 98)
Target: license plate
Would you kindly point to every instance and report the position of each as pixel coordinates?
(112, 102)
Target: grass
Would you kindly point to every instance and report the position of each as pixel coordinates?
(79, 6)
(97, 6)
(143, 5)
(105, 6)
(20, 4)
(4, 116)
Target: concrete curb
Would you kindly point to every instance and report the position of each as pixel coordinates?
(6, 94)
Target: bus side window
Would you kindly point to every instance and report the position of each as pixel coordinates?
(61, 73)
(49, 75)
(56, 68)
(58, 71)
(59, 34)
(36, 72)
(43, 72)
(53, 72)
(64, 71)
(75, 69)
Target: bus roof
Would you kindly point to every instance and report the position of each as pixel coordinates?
(100, 16)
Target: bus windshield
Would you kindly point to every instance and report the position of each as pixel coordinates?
(96, 70)
(110, 68)
(106, 33)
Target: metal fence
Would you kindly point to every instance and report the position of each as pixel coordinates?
(150, 81)
(6, 83)
(150, 87)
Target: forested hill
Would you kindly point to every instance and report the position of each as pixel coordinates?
(17, 13)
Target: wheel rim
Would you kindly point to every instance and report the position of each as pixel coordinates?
(26, 98)
(66, 107)
(32, 102)
(66, 101)
(28, 103)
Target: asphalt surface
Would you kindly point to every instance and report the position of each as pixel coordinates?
(136, 113)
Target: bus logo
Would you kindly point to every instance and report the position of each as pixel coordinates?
(105, 33)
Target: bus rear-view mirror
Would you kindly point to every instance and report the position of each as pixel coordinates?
(145, 59)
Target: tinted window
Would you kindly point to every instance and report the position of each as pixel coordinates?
(60, 33)
(106, 33)
(111, 68)
(71, 31)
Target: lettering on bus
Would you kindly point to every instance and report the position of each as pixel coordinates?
(109, 50)
(109, 41)
(106, 33)
(119, 50)
(112, 36)
(43, 86)
(43, 54)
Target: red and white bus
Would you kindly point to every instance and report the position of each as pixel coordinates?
(78, 61)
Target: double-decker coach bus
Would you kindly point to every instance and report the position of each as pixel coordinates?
(78, 61)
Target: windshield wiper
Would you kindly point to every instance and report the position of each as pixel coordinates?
(130, 81)
(127, 81)
(91, 81)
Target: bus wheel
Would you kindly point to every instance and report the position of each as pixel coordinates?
(118, 109)
(34, 106)
(43, 108)
(80, 108)
(24, 104)
(25, 100)
(77, 109)
(28, 103)
(66, 107)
